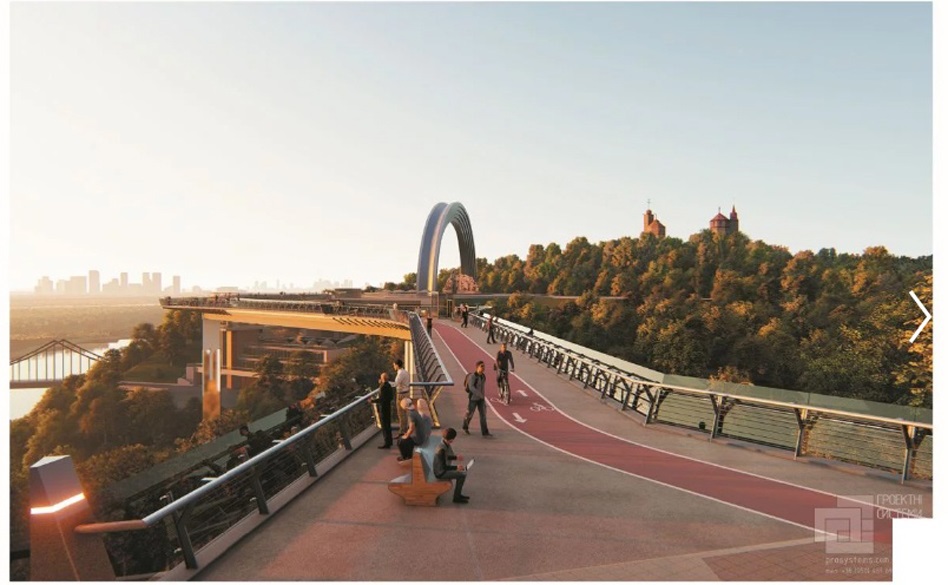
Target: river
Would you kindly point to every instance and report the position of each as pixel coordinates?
(22, 400)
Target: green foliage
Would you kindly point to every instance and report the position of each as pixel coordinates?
(179, 337)
(302, 370)
(357, 369)
(734, 309)
(103, 469)
(208, 430)
(110, 433)
(154, 369)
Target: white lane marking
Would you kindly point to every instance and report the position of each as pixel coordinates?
(630, 442)
(522, 393)
(518, 418)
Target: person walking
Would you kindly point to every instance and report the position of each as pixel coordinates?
(444, 468)
(401, 393)
(490, 329)
(464, 312)
(386, 396)
(474, 385)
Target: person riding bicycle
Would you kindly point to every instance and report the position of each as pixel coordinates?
(503, 365)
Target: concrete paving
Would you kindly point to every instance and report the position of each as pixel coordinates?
(539, 514)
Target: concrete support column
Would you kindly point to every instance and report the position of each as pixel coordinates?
(410, 367)
(57, 506)
(211, 358)
(211, 389)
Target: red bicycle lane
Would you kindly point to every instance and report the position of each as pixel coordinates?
(533, 415)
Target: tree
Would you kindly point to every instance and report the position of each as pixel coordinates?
(303, 368)
(172, 344)
(153, 419)
(210, 429)
(103, 469)
(356, 370)
(256, 402)
(143, 344)
(53, 431)
(915, 375)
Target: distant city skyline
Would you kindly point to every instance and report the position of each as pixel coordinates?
(233, 142)
(122, 285)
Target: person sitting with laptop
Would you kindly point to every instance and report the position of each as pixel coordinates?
(447, 465)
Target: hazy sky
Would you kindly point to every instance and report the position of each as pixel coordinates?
(229, 143)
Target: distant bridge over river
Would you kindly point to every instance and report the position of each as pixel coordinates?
(50, 364)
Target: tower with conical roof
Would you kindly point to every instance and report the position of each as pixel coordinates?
(723, 225)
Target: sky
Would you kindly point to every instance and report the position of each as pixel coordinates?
(230, 143)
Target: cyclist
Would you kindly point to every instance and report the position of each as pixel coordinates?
(503, 365)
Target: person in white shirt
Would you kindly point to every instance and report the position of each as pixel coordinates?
(401, 392)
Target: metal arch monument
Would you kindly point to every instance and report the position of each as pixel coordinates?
(441, 215)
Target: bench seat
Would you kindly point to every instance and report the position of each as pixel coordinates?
(420, 487)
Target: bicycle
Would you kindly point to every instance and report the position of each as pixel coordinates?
(503, 386)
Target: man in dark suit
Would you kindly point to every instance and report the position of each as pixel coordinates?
(443, 469)
(386, 396)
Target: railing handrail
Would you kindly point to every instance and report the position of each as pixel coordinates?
(193, 496)
(417, 329)
(651, 383)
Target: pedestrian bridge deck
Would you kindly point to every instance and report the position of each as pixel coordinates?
(577, 491)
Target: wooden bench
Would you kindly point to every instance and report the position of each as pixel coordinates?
(420, 487)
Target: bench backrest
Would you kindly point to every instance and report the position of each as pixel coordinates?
(427, 452)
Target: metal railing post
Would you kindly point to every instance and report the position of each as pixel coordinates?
(717, 416)
(180, 520)
(344, 432)
(307, 450)
(653, 407)
(801, 415)
(257, 484)
(908, 434)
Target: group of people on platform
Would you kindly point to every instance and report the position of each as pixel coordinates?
(413, 415)
(415, 422)
(415, 425)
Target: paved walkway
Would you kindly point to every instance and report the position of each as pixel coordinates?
(579, 492)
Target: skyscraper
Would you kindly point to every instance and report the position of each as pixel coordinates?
(45, 286)
(176, 285)
(94, 287)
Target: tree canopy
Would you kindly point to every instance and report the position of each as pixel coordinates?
(727, 307)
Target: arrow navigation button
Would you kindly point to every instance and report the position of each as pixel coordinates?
(928, 316)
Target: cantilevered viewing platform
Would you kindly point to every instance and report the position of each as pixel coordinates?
(571, 488)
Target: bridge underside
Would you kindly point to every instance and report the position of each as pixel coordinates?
(316, 321)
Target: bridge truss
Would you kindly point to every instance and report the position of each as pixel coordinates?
(50, 363)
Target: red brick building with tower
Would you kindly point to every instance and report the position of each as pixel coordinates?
(652, 225)
(725, 225)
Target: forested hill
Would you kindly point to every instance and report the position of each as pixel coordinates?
(726, 307)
